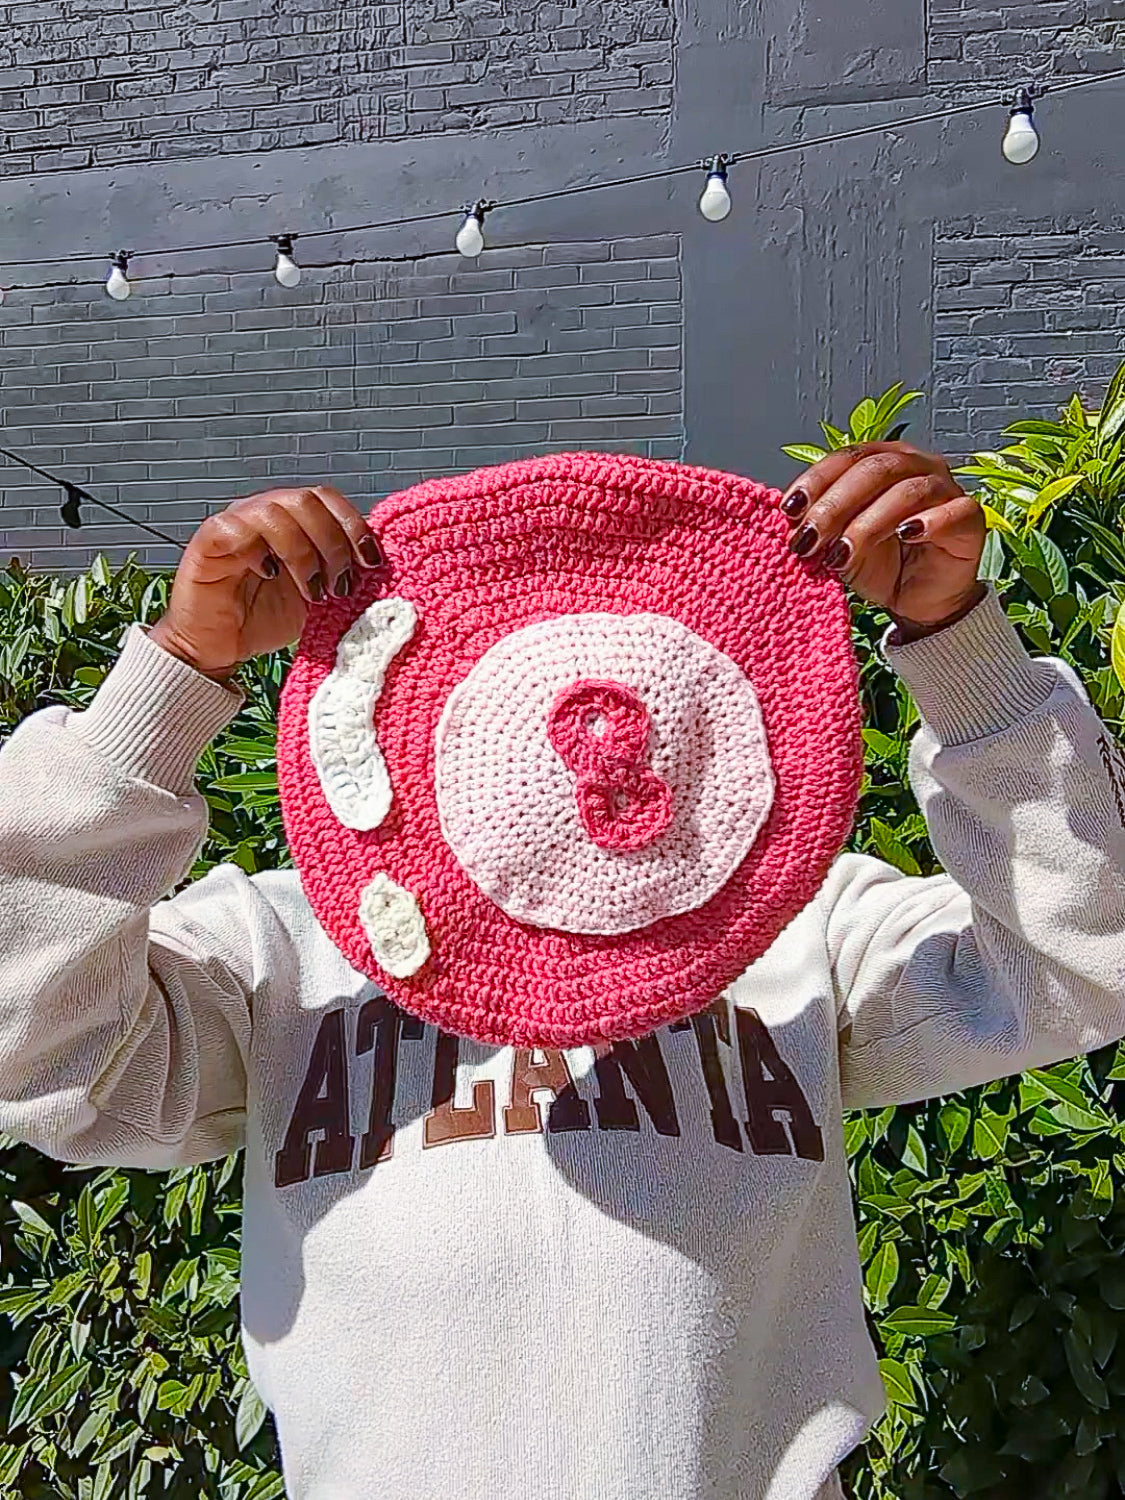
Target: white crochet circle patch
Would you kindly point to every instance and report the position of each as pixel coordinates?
(528, 794)
(342, 743)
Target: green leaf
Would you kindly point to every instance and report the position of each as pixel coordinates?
(804, 453)
(1117, 646)
(250, 1415)
(862, 419)
(891, 848)
(1086, 1378)
(923, 1322)
(247, 781)
(882, 1274)
(995, 521)
(954, 1122)
(1051, 559)
(1057, 490)
(111, 1205)
(87, 1218)
(914, 1152)
(179, 1277)
(896, 1379)
(59, 1390)
(990, 1131)
(32, 1221)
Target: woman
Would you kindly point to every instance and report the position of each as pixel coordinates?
(650, 1289)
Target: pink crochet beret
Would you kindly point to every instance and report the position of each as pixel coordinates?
(566, 766)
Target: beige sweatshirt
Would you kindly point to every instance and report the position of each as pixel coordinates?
(470, 1272)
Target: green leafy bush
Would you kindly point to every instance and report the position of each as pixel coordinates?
(991, 1226)
(123, 1372)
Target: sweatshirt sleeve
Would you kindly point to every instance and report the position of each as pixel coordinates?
(124, 1016)
(1014, 957)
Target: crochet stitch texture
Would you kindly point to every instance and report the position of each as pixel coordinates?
(565, 767)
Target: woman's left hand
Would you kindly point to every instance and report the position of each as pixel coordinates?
(897, 527)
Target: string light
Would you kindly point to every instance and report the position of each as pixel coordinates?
(117, 282)
(287, 271)
(470, 237)
(1021, 143)
(714, 202)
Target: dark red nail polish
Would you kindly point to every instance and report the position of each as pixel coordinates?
(910, 530)
(796, 504)
(838, 554)
(343, 585)
(316, 586)
(803, 543)
(370, 551)
(270, 566)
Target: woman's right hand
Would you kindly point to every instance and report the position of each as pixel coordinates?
(245, 583)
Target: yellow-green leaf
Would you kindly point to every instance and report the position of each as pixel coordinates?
(1117, 646)
(896, 1378)
(882, 1274)
(995, 521)
(1058, 489)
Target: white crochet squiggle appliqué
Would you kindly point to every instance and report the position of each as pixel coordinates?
(395, 927)
(342, 743)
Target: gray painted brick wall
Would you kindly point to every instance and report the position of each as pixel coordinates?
(1024, 315)
(615, 319)
(988, 41)
(369, 376)
(106, 82)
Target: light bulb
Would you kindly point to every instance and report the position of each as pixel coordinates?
(287, 271)
(117, 283)
(470, 237)
(1021, 144)
(714, 203)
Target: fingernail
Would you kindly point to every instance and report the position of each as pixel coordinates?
(837, 555)
(911, 529)
(343, 585)
(270, 566)
(804, 541)
(316, 586)
(370, 551)
(796, 505)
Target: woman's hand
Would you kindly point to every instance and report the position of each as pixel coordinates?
(251, 571)
(897, 527)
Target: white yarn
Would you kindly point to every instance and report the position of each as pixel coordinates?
(395, 927)
(342, 743)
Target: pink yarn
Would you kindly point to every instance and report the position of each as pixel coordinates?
(600, 730)
(484, 555)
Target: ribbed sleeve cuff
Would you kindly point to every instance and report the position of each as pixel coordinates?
(153, 715)
(973, 678)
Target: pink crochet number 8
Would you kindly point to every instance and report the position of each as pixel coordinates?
(600, 730)
(567, 766)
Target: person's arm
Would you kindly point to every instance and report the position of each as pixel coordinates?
(1014, 958)
(124, 1017)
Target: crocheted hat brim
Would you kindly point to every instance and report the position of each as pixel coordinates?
(474, 560)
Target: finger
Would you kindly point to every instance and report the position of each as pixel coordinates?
(956, 526)
(819, 477)
(361, 538)
(326, 535)
(291, 545)
(856, 489)
(906, 500)
(225, 542)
